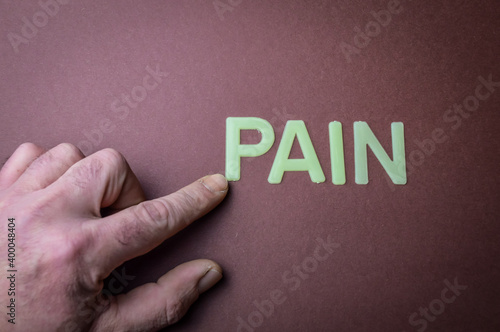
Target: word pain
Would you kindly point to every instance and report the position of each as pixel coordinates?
(363, 138)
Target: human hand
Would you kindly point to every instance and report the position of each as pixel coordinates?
(64, 248)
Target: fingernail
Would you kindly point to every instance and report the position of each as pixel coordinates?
(210, 279)
(215, 183)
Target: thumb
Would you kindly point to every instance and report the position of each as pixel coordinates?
(153, 306)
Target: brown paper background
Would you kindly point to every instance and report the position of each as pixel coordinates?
(281, 60)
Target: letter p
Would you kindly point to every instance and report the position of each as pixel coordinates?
(235, 150)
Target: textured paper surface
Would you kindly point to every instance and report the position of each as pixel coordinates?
(283, 60)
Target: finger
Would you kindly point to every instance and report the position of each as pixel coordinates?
(18, 163)
(140, 228)
(153, 306)
(48, 167)
(103, 179)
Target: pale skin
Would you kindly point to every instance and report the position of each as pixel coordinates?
(65, 248)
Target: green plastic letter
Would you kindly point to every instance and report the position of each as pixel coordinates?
(235, 150)
(337, 152)
(396, 168)
(310, 162)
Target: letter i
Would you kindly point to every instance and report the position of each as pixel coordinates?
(337, 153)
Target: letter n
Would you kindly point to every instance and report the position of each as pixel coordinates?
(363, 137)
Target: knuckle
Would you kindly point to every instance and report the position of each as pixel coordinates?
(156, 211)
(84, 174)
(193, 201)
(129, 232)
(188, 198)
(70, 150)
(29, 147)
(62, 154)
(112, 156)
(34, 150)
(112, 159)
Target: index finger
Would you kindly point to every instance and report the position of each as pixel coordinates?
(140, 228)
